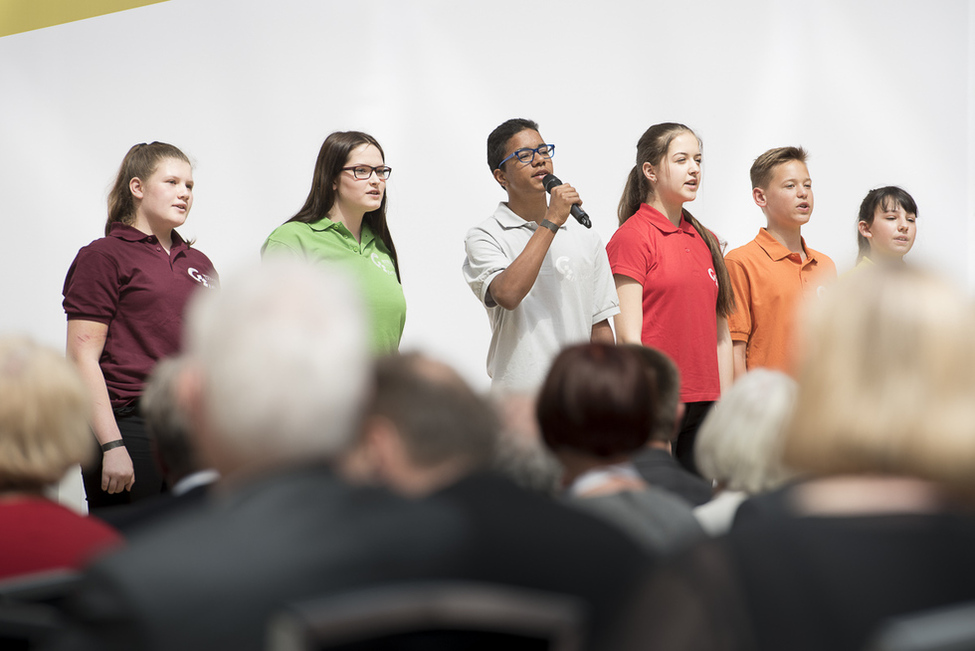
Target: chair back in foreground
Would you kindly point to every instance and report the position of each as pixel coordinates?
(30, 607)
(432, 615)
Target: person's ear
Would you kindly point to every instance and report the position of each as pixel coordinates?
(500, 178)
(758, 194)
(649, 172)
(136, 187)
(864, 229)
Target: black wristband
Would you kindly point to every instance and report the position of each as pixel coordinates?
(111, 445)
(549, 225)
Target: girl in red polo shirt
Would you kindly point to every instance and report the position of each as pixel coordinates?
(124, 296)
(673, 287)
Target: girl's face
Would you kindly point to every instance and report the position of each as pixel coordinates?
(677, 177)
(891, 234)
(163, 201)
(360, 196)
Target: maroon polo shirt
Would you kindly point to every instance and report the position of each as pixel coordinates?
(128, 282)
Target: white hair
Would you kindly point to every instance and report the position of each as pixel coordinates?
(284, 361)
(740, 442)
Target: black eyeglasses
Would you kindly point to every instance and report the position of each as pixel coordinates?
(363, 172)
(527, 155)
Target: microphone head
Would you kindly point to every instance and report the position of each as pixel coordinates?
(550, 181)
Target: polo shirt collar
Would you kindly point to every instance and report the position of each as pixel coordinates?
(775, 250)
(133, 234)
(664, 225)
(325, 224)
(508, 219)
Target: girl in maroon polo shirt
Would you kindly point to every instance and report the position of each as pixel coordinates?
(124, 296)
(674, 290)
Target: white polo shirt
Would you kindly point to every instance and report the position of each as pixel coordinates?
(574, 290)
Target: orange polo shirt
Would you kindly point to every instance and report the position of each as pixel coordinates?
(770, 284)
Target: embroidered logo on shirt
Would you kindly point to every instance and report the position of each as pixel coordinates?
(201, 278)
(383, 264)
(564, 266)
(714, 276)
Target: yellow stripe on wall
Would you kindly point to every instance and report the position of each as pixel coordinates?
(18, 16)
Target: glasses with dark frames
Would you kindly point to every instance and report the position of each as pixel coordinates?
(363, 172)
(527, 155)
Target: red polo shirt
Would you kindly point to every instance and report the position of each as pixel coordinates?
(128, 282)
(680, 294)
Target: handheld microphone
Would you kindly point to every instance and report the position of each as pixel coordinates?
(551, 181)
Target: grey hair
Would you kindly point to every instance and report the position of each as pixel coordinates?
(740, 441)
(284, 362)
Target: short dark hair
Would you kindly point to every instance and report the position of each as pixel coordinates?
(888, 198)
(597, 400)
(764, 166)
(497, 142)
(665, 378)
(439, 417)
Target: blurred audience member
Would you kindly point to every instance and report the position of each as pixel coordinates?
(428, 433)
(175, 450)
(739, 445)
(656, 462)
(44, 411)
(884, 428)
(277, 372)
(595, 411)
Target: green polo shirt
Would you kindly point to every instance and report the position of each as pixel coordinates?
(368, 260)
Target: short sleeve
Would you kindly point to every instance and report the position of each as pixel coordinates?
(278, 243)
(629, 255)
(606, 302)
(740, 321)
(485, 260)
(91, 288)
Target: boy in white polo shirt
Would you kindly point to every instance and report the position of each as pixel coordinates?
(544, 279)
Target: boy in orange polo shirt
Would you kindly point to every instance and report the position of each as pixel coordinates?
(772, 273)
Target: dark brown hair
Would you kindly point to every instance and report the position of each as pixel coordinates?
(886, 198)
(596, 399)
(332, 157)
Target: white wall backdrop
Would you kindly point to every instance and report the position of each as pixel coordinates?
(879, 91)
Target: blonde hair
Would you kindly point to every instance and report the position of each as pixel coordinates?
(44, 409)
(887, 381)
(740, 441)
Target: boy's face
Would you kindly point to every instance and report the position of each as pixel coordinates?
(524, 178)
(788, 200)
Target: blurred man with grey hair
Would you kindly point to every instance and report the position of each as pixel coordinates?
(278, 372)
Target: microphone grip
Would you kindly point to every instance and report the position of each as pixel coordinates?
(551, 181)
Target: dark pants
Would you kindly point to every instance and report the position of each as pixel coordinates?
(694, 413)
(148, 479)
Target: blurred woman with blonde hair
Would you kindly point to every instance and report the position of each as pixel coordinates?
(882, 524)
(44, 410)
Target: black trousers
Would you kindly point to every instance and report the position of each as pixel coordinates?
(694, 413)
(141, 449)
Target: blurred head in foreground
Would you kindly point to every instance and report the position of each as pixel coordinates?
(887, 381)
(44, 411)
(739, 444)
(278, 367)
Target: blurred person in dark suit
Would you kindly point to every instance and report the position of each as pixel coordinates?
(427, 434)
(656, 462)
(278, 367)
